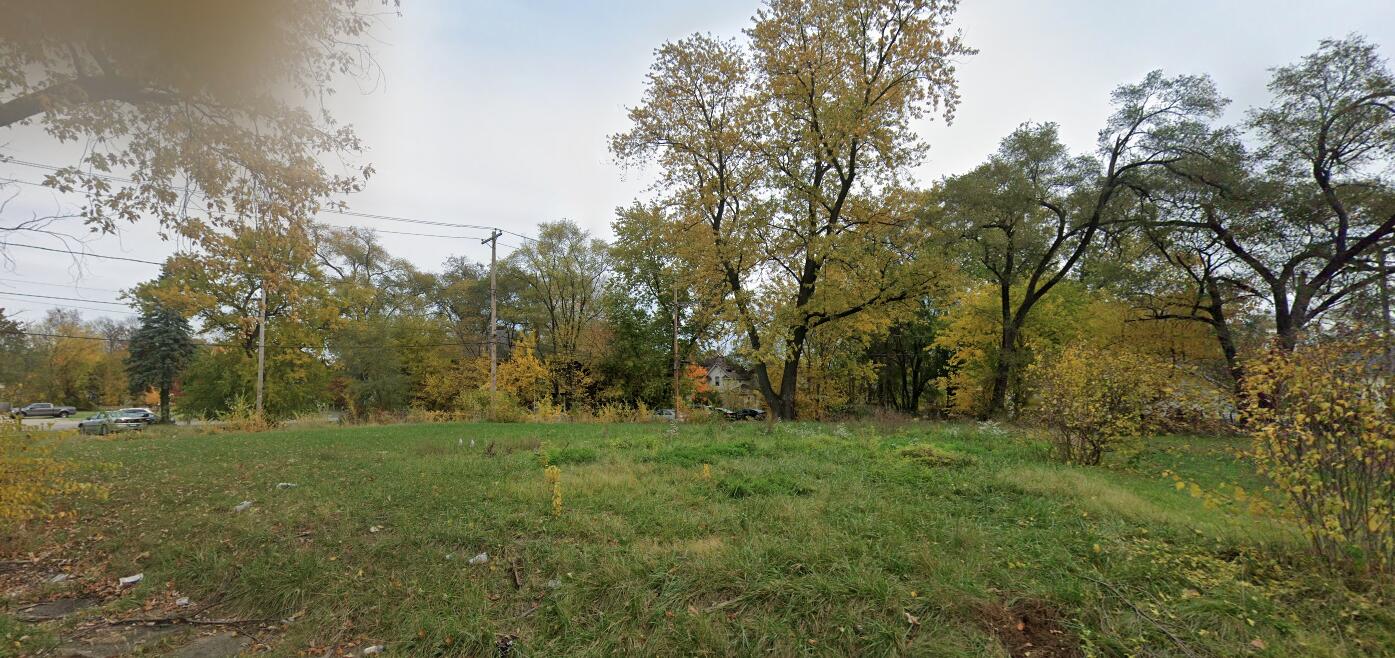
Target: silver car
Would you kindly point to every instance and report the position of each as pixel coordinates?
(107, 422)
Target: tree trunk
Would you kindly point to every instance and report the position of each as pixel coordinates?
(1002, 372)
(789, 384)
(1286, 330)
(165, 402)
(1220, 322)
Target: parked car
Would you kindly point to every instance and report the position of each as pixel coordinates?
(44, 410)
(108, 422)
(665, 414)
(749, 414)
(147, 416)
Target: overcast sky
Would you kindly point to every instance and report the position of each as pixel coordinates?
(497, 113)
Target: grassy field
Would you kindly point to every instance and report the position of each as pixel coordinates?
(937, 540)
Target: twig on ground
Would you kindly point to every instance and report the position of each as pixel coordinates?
(1149, 618)
(170, 621)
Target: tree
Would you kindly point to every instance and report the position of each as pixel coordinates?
(657, 291)
(1189, 276)
(1032, 212)
(203, 110)
(223, 284)
(783, 156)
(564, 270)
(18, 361)
(1309, 210)
(908, 360)
(160, 349)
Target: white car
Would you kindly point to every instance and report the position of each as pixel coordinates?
(108, 422)
(145, 414)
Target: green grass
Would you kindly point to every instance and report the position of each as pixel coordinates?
(814, 539)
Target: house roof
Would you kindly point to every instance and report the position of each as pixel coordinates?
(719, 360)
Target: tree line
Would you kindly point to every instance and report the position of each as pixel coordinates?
(785, 232)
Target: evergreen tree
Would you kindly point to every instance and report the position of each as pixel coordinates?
(160, 349)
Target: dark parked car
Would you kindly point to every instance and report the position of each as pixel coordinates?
(749, 414)
(44, 410)
(107, 422)
(145, 415)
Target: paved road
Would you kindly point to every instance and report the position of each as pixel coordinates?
(51, 423)
(55, 424)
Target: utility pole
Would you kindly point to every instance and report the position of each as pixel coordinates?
(493, 241)
(261, 323)
(677, 363)
(261, 350)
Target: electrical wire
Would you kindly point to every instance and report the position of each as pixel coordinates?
(346, 213)
(83, 254)
(74, 286)
(40, 334)
(66, 299)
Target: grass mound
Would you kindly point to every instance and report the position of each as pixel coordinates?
(770, 484)
(929, 455)
(571, 455)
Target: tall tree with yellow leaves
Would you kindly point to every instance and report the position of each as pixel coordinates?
(786, 155)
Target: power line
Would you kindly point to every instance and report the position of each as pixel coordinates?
(347, 213)
(66, 299)
(79, 308)
(40, 334)
(83, 254)
(375, 228)
(420, 235)
(363, 226)
(57, 285)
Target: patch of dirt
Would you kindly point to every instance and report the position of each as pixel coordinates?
(1030, 628)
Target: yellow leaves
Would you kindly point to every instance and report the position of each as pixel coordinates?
(1099, 400)
(1323, 432)
(30, 477)
(553, 476)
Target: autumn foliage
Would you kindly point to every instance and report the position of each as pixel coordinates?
(30, 476)
(1323, 429)
(1094, 401)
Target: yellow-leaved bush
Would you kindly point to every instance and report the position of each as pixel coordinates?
(1324, 431)
(30, 477)
(1094, 400)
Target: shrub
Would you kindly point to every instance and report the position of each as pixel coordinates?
(1094, 401)
(546, 411)
(242, 416)
(1324, 431)
(480, 404)
(30, 476)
